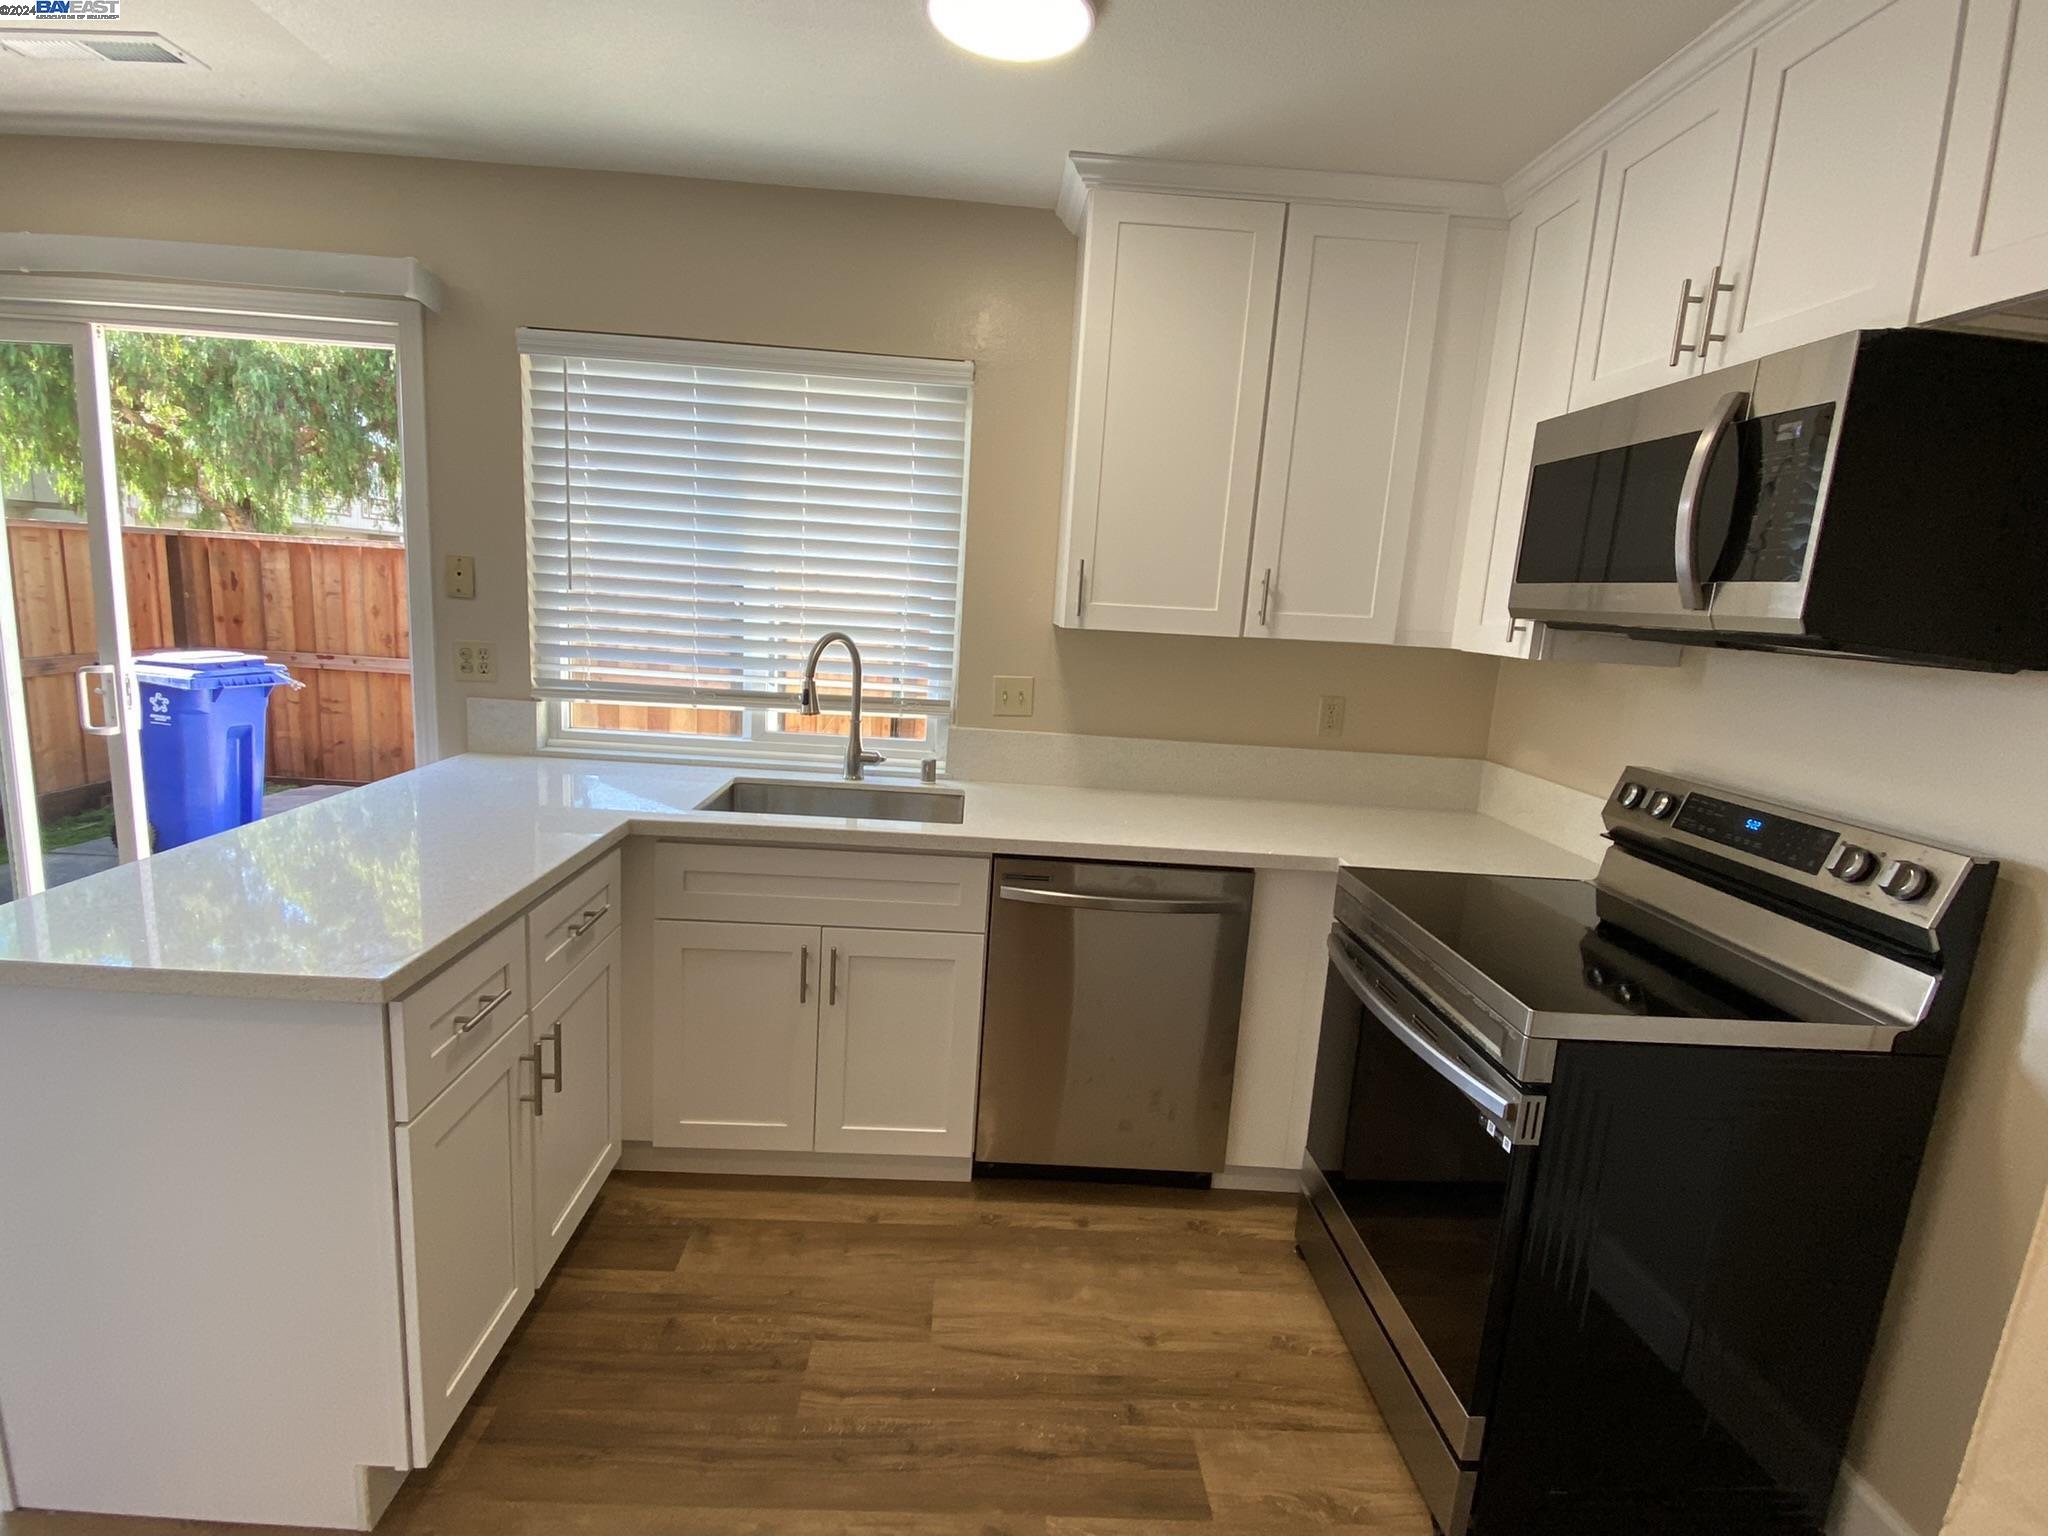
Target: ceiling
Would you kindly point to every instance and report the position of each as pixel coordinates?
(862, 94)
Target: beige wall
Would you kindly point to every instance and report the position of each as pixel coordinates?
(1958, 757)
(730, 262)
(2004, 1490)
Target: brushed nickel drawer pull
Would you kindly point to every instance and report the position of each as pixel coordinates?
(590, 919)
(486, 1006)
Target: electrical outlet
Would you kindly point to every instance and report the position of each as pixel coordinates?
(462, 576)
(1330, 715)
(465, 661)
(1014, 695)
(473, 660)
(486, 664)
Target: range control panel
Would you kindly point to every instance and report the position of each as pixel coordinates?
(1888, 873)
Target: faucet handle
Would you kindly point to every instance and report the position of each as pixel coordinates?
(870, 758)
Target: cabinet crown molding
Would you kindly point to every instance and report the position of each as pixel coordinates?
(1738, 30)
(1085, 171)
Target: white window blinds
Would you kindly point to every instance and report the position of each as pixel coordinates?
(698, 514)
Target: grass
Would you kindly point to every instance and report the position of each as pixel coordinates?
(73, 830)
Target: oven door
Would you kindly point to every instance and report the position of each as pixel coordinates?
(1632, 506)
(1425, 1152)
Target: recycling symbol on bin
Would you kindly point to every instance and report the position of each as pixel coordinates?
(160, 706)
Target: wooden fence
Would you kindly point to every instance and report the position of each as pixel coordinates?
(331, 610)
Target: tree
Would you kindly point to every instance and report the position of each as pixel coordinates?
(228, 432)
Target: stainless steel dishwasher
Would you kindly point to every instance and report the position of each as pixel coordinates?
(1109, 1037)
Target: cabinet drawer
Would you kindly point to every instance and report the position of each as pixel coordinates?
(450, 1019)
(563, 927)
(724, 883)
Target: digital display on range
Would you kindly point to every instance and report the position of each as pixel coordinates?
(1797, 844)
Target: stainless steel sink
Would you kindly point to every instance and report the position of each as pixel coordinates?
(872, 802)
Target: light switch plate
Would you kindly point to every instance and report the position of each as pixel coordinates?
(462, 576)
(1015, 695)
(1330, 715)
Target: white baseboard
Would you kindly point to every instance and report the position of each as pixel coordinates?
(642, 1157)
(1277, 1181)
(1860, 1510)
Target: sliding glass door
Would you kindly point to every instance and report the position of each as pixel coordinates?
(70, 765)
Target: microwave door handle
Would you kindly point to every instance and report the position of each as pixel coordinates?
(1692, 590)
(1482, 1094)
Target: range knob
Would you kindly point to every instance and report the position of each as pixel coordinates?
(1904, 881)
(1662, 804)
(1631, 795)
(1852, 864)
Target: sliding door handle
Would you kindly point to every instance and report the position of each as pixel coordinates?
(109, 691)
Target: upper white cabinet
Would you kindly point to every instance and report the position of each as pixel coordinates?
(1172, 346)
(1837, 174)
(1657, 238)
(1353, 346)
(1254, 399)
(1543, 294)
(1989, 243)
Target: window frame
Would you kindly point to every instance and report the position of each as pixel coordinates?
(759, 744)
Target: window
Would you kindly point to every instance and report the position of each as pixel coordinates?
(698, 514)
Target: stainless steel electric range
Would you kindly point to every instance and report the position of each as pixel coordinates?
(1606, 1179)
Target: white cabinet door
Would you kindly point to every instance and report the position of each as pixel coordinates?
(465, 1202)
(1352, 350)
(1837, 176)
(899, 1042)
(1990, 236)
(1543, 295)
(735, 1035)
(1662, 222)
(576, 1136)
(1171, 353)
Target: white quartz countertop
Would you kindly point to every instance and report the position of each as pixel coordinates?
(361, 896)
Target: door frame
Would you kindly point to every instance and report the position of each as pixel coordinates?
(87, 344)
(225, 310)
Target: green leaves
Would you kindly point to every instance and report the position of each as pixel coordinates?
(223, 432)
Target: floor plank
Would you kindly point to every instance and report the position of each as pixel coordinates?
(756, 1357)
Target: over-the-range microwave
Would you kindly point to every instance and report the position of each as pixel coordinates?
(1880, 494)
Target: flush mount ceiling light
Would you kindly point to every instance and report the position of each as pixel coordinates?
(1015, 31)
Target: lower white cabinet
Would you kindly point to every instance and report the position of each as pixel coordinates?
(576, 1033)
(770, 1037)
(735, 1035)
(465, 1197)
(899, 1041)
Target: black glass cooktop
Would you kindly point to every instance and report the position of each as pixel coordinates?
(1559, 947)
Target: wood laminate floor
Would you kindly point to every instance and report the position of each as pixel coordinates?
(756, 1357)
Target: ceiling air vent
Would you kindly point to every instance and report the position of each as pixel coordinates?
(80, 45)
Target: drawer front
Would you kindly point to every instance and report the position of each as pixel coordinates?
(563, 927)
(450, 1019)
(727, 883)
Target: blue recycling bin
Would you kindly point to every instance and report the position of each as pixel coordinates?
(203, 715)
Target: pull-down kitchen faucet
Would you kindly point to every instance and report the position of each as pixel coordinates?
(807, 700)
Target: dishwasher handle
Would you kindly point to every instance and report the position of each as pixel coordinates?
(1176, 906)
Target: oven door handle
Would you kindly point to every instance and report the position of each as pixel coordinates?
(1692, 587)
(1511, 1109)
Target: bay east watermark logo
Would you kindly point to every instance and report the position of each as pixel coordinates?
(73, 10)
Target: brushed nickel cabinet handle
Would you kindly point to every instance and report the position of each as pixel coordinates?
(486, 1006)
(1081, 589)
(1686, 299)
(538, 1100)
(555, 1076)
(590, 919)
(1708, 335)
(1265, 598)
(832, 995)
(803, 975)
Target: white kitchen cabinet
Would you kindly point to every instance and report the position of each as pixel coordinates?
(465, 1198)
(1989, 241)
(1172, 345)
(1837, 173)
(735, 1035)
(1658, 235)
(1354, 342)
(1543, 295)
(576, 1032)
(899, 1040)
